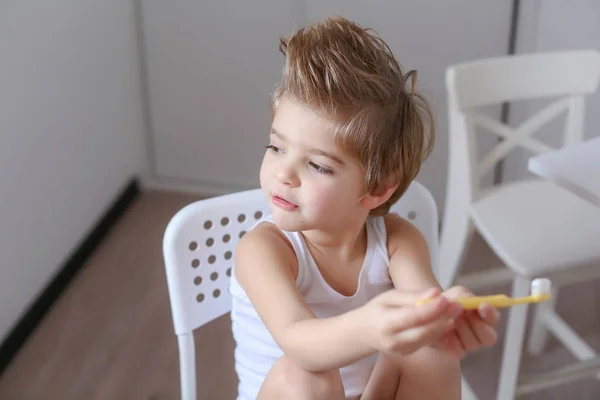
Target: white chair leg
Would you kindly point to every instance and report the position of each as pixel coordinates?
(456, 232)
(569, 338)
(513, 342)
(187, 365)
(538, 336)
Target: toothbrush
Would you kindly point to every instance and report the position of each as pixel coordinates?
(540, 291)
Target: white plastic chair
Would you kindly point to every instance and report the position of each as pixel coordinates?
(198, 247)
(535, 228)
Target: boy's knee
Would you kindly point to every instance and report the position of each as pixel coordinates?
(448, 373)
(445, 369)
(295, 383)
(429, 365)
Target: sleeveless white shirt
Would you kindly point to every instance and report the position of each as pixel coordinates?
(256, 350)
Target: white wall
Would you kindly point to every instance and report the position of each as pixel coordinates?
(552, 25)
(70, 133)
(212, 66)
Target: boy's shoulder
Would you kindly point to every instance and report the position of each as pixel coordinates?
(410, 263)
(266, 236)
(265, 243)
(401, 232)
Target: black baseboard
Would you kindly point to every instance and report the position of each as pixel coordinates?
(32, 317)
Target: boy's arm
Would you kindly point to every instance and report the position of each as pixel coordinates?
(410, 263)
(410, 270)
(266, 268)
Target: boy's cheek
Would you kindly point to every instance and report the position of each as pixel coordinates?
(322, 199)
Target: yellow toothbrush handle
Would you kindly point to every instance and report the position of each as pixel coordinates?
(497, 300)
(472, 303)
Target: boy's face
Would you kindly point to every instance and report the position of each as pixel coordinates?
(309, 182)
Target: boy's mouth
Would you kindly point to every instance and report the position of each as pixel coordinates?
(283, 203)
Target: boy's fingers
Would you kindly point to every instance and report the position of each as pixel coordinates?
(455, 347)
(400, 298)
(438, 308)
(485, 334)
(430, 293)
(449, 342)
(457, 292)
(466, 335)
(424, 314)
(423, 334)
(489, 314)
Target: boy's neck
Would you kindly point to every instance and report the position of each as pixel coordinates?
(346, 243)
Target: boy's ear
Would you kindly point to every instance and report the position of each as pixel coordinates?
(378, 196)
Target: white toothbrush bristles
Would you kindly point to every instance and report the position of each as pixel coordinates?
(541, 287)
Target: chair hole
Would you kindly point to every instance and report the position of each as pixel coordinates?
(228, 271)
(226, 239)
(241, 218)
(195, 263)
(210, 242)
(224, 221)
(212, 259)
(228, 255)
(216, 293)
(412, 215)
(193, 246)
(207, 224)
(197, 280)
(214, 276)
(200, 298)
(258, 215)
(242, 233)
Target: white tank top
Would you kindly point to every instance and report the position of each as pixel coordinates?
(256, 350)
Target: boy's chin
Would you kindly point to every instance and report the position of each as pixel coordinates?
(288, 223)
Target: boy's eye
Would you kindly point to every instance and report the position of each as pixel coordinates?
(274, 149)
(320, 169)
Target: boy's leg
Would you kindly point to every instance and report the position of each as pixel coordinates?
(429, 374)
(384, 380)
(425, 374)
(285, 380)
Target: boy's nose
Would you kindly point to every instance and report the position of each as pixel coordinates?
(287, 175)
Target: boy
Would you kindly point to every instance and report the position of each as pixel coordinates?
(324, 288)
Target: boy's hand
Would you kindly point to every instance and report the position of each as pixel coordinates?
(393, 323)
(472, 329)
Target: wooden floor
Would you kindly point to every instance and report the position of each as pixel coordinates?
(110, 336)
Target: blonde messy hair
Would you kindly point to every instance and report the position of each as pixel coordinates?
(349, 75)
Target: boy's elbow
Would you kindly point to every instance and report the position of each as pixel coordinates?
(294, 349)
